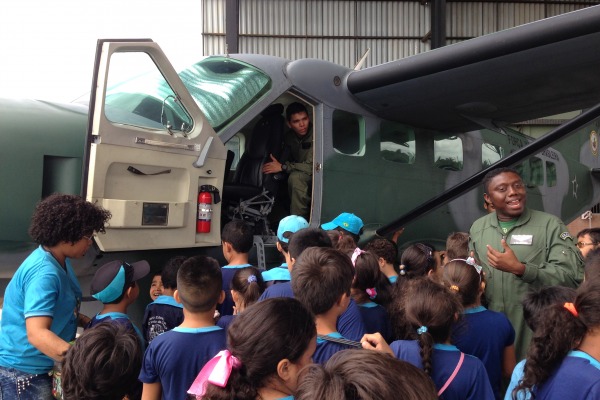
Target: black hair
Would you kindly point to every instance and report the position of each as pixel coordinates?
(199, 283)
(591, 267)
(384, 248)
(239, 234)
(66, 218)
(260, 337)
(367, 275)
(417, 260)
(559, 332)
(359, 374)
(594, 234)
(103, 363)
(494, 173)
(305, 238)
(169, 273)
(248, 282)
(320, 277)
(294, 108)
(536, 301)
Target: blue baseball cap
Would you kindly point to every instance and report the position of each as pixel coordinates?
(347, 221)
(112, 278)
(291, 223)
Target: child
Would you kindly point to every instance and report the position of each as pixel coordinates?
(103, 364)
(562, 359)
(371, 290)
(432, 310)
(321, 280)
(246, 287)
(268, 345)
(457, 246)
(164, 313)
(417, 260)
(535, 304)
(174, 358)
(237, 239)
(156, 287)
(485, 334)
(359, 374)
(387, 253)
(115, 285)
(346, 224)
(287, 226)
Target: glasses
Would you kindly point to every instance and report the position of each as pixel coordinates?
(581, 245)
(90, 238)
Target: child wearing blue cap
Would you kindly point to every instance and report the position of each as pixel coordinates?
(115, 285)
(346, 223)
(287, 226)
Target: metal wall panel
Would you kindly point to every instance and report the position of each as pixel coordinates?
(341, 30)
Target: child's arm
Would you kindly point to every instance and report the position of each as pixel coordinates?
(509, 360)
(152, 391)
(374, 341)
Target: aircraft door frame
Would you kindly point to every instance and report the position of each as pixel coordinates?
(145, 172)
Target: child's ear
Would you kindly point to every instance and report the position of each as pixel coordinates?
(283, 369)
(482, 287)
(381, 262)
(279, 249)
(221, 297)
(234, 295)
(176, 296)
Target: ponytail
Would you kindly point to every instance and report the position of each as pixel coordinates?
(248, 282)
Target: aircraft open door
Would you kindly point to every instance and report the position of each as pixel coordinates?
(152, 154)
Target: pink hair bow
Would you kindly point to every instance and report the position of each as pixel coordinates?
(372, 292)
(216, 371)
(357, 252)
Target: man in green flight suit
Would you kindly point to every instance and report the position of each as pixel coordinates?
(520, 249)
(298, 139)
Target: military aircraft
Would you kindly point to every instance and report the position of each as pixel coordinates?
(150, 143)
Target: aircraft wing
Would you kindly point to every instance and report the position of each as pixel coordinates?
(531, 71)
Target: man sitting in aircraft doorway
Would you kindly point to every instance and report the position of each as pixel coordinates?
(520, 249)
(299, 168)
(588, 240)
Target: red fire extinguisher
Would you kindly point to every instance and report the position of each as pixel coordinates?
(204, 210)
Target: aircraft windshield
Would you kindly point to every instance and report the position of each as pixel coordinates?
(224, 88)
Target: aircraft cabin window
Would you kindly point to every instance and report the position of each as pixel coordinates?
(144, 99)
(448, 152)
(550, 174)
(397, 143)
(491, 153)
(224, 88)
(348, 133)
(237, 144)
(537, 171)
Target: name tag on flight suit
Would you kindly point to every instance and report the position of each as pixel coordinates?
(521, 239)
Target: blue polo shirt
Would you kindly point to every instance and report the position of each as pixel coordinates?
(160, 316)
(228, 271)
(40, 287)
(280, 273)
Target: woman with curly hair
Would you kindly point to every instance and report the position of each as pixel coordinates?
(41, 302)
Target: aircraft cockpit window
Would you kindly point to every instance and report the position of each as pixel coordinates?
(537, 171)
(397, 143)
(224, 88)
(448, 152)
(550, 174)
(491, 153)
(348, 133)
(145, 100)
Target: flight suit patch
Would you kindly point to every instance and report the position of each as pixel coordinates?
(521, 239)
(565, 236)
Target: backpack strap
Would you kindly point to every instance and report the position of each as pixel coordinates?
(449, 381)
(343, 341)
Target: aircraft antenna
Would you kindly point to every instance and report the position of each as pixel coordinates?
(362, 60)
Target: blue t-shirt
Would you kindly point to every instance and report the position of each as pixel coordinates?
(393, 279)
(117, 318)
(225, 321)
(326, 349)
(375, 319)
(39, 288)
(280, 273)
(471, 381)
(485, 334)
(162, 315)
(577, 377)
(176, 357)
(515, 378)
(228, 271)
(349, 324)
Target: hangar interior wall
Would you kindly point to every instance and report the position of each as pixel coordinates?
(341, 31)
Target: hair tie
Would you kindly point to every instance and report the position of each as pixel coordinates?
(455, 288)
(251, 278)
(422, 330)
(216, 371)
(357, 252)
(572, 309)
(372, 292)
(402, 271)
(471, 261)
